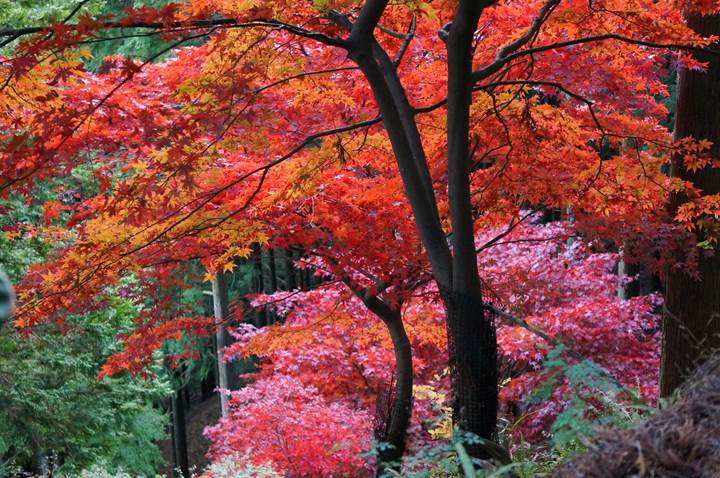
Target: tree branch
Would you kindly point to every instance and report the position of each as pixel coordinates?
(406, 42)
(498, 64)
(362, 30)
(552, 341)
(542, 16)
(15, 33)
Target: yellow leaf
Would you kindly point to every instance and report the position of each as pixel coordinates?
(85, 53)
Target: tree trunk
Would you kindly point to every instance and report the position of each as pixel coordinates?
(179, 436)
(295, 255)
(627, 290)
(271, 283)
(208, 384)
(222, 339)
(41, 464)
(472, 345)
(394, 407)
(393, 430)
(472, 348)
(691, 322)
(259, 316)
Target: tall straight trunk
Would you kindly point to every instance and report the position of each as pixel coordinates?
(691, 322)
(290, 269)
(208, 384)
(295, 255)
(271, 285)
(179, 435)
(627, 290)
(644, 282)
(222, 339)
(259, 316)
(270, 282)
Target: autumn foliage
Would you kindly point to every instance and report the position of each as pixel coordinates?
(265, 133)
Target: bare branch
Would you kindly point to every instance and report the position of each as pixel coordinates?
(75, 10)
(511, 227)
(542, 16)
(406, 42)
(498, 64)
(15, 33)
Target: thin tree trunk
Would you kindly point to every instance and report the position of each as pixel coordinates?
(645, 282)
(691, 322)
(208, 384)
(289, 270)
(271, 282)
(179, 435)
(626, 290)
(394, 431)
(297, 273)
(269, 275)
(222, 339)
(395, 409)
(259, 316)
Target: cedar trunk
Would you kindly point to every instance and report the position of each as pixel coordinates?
(179, 435)
(691, 322)
(222, 338)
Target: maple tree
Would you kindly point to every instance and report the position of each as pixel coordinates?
(332, 346)
(292, 427)
(382, 138)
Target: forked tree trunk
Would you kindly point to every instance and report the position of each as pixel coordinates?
(691, 322)
(473, 348)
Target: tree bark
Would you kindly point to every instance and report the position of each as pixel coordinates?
(472, 347)
(179, 435)
(258, 286)
(472, 343)
(691, 322)
(395, 431)
(471, 337)
(222, 339)
(394, 418)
